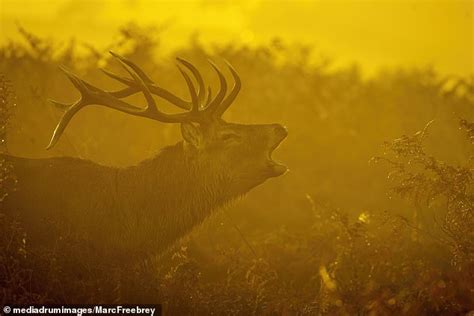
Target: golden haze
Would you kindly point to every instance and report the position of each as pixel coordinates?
(373, 33)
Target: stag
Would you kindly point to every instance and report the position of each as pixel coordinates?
(143, 209)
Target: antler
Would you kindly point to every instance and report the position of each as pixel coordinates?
(199, 111)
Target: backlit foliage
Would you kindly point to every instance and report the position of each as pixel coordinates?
(426, 180)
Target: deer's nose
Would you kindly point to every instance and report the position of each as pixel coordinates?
(280, 131)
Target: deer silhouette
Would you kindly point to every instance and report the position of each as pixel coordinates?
(143, 209)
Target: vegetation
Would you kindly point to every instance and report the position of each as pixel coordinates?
(342, 234)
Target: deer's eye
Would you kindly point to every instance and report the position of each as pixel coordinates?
(229, 136)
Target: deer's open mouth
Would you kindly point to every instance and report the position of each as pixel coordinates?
(277, 168)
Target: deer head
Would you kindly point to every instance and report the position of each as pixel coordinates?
(242, 152)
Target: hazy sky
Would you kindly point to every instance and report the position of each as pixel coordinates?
(372, 32)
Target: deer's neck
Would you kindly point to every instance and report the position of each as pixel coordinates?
(172, 193)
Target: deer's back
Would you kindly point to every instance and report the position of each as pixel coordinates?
(61, 191)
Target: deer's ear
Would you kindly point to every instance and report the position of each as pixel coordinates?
(191, 134)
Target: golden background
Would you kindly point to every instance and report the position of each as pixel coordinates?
(375, 216)
(373, 33)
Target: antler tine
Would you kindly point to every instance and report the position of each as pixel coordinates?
(214, 104)
(125, 92)
(71, 109)
(209, 96)
(65, 119)
(132, 65)
(89, 95)
(139, 77)
(151, 111)
(197, 75)
(192, 91)
(60, 105)
(233, 94)
(133, 88)
(114, 76)
(154, 89)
